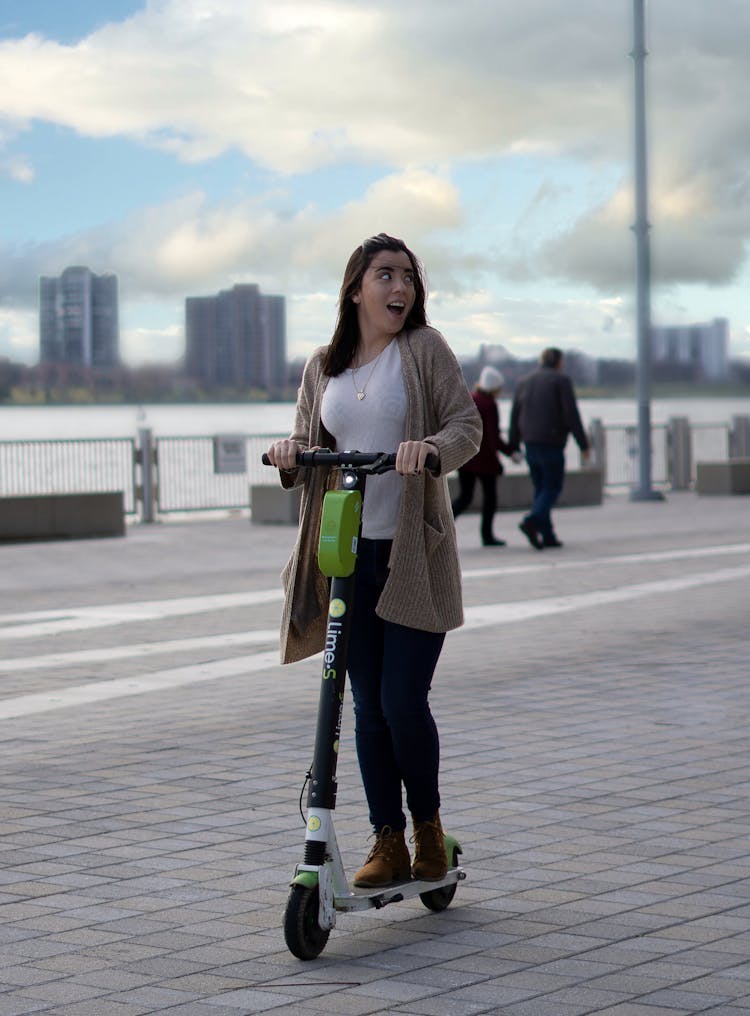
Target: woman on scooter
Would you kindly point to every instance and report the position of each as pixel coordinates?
(385, 381)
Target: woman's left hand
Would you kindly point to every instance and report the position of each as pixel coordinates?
(411, 455)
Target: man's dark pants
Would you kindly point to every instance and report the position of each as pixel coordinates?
(547, 467)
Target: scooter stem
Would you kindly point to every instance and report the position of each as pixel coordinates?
(323, 786)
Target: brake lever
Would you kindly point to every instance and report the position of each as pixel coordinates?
(383, 464)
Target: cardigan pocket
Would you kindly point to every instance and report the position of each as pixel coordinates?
(434, 534)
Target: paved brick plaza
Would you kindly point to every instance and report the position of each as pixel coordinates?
(594, 715)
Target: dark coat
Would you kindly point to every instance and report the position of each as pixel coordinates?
(545, 410)
(486, 462)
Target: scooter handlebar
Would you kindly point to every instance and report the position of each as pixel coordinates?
(355, 459)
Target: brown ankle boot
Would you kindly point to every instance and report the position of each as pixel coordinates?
(387, 862)
(430, 858)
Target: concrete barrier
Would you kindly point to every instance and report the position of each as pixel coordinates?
(62, 516)
(516, 492)
(731, 476)
(272, 505)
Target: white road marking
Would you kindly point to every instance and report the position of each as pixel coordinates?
(37, 624)
(101, 691)
(142, 649)
(40, 623)
(647, 557)
(503, 613)
(476, 617)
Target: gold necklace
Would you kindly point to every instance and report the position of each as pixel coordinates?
(361, 391)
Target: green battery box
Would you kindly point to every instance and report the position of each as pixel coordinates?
(339, 532)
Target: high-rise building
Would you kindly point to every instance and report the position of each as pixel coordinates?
(236, 339)
(78, 318)
(700, 350)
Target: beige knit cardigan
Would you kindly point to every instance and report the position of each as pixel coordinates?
(423, 589)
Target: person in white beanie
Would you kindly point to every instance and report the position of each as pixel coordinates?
(485, 466)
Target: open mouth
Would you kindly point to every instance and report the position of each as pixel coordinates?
(396, 307)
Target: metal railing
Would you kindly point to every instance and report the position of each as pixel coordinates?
(183, 475)
(710, 441)
(622, 457)
(187, 477)
(69, 466)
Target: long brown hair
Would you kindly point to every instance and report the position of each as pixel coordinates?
(343, 344)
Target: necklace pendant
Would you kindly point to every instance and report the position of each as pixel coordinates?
(360, 395)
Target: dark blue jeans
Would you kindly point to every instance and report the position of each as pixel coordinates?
(547, 468)
(390, 672)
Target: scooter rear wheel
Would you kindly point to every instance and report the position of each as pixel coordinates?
(440, 899)
(304, 937)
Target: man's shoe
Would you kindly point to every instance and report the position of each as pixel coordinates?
(531, 533)
(493, 542)
(430, 858)
(552, 542)
(387, 862)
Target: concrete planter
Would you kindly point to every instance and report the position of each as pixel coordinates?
(729, 477)
(272, 505)
(62, 516)
(515, 491)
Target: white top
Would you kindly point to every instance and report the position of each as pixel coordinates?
(375, 423)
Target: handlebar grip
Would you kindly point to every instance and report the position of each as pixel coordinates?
(265, 459)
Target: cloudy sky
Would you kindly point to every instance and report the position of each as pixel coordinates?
(191, 144)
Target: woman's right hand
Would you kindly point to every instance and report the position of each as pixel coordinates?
(283, 454)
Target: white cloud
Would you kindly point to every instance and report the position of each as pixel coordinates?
(524, 326)
(190, 244)
(152, 345)
(191, 247)
(17, 168)
(310, 319)
(19, 335)
(297, 84)
(693, 239)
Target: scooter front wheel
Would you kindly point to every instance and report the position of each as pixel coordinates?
(304, 937)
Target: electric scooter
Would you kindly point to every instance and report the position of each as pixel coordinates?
(319, 886)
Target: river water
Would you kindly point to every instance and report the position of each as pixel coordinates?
(46, 422)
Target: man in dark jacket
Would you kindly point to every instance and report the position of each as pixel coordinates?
(544, 412)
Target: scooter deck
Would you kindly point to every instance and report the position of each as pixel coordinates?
(364, 898)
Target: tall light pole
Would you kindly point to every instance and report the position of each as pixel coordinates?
(644, 490)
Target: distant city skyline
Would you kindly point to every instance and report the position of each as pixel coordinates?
(78, 318)
(190, 148)
(703, 348)
(236, 339)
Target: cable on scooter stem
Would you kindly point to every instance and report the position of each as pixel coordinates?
(308, 777)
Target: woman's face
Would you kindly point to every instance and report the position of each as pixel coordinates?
(386, 295)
